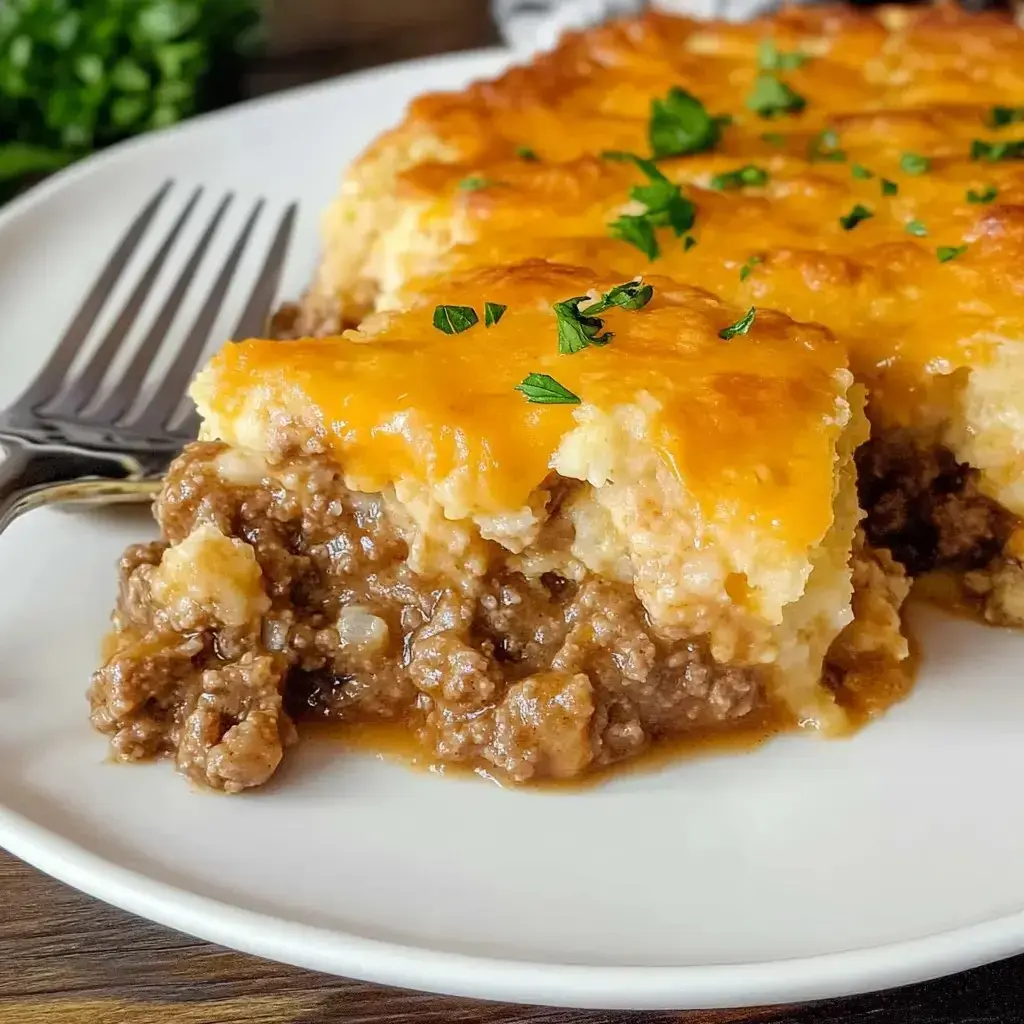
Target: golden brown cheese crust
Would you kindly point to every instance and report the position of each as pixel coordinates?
(889, 82)
(750, 425)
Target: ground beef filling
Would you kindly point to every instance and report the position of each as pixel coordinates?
(533, 678)
(926, 507)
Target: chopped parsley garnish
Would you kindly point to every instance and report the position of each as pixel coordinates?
(855, 216)
(631, 295)
(914, 163)
(774, 138)
(999, 117)
(688, 243)
(915, 227)
(622, 156)
(996, 151)
(525, 153)
(773, 98)
(680, 124)
(665, 206)
(771, 58)
(946, 253)
(825, 146)
(889, 188)
(638, 231)
(545, 390)
(747, 175)
(493, 312)
(454, 319)
(985, 196)
(748, 268)
(862, 172)
(577, 331)
(740, 327)
(475, 182)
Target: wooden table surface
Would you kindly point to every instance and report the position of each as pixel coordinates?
(67, 959)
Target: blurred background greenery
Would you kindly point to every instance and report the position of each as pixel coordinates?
(76, 75)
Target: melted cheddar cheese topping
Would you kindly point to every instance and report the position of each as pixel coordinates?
(884, 84)
(748, 425)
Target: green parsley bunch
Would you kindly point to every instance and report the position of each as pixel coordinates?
(76, 75)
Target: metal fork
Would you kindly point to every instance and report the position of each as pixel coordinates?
(73, 437)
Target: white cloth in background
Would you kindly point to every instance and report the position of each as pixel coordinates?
(532, 25)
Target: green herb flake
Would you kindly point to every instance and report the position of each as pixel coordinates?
(680, 124)
(454, 319)
(664, 206)
(985, 196)
(993, 152)
(688, 243)
(543, 389)
(622, 156)
(631, 295)
(525, 153)
(748, 268)
(773, 138)
(914, 163)
(475, 182)
(1000, 117)
(771, 58)
(858, 214)
(577, 331)
(824, 147)
(749, 175)
(889, 188)
(638, 231)
(915, 227)
(860, 171)
(945, 253)
(771, 97)
(493, 312)
(740, 327)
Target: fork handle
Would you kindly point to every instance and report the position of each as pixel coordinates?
(39, 475)
(22, 472)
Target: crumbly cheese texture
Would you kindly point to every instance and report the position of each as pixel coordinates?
(717, 473)
(511, 169)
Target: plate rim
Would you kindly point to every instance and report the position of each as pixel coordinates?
(583, 986)
(419, 967)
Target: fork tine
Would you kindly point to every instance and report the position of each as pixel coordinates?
(49, 379)
(157, 414)
(120, 398)
(83, 388)
(257, 309)
(253, 320)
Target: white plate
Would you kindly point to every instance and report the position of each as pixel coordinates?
(803, 870)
